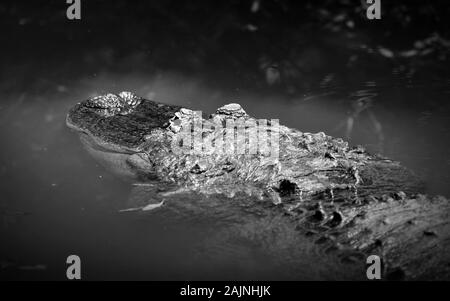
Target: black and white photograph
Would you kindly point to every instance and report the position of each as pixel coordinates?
(241, 142)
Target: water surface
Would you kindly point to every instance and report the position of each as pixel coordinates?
(56, 200)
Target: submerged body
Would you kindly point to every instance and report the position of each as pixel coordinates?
(347, 202)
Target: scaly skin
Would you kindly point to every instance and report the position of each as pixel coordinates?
(348, 202)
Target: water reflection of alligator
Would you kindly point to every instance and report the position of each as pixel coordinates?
(320, 205)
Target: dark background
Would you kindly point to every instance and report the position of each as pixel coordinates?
(305, 62)
(224, 41)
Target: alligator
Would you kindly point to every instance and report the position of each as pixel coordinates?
(318, 200)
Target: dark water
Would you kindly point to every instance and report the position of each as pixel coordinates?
(56, 200)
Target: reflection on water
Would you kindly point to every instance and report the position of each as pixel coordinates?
(56, 200)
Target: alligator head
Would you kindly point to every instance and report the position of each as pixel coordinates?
(140, 138)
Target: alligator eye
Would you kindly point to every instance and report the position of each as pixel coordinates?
(198, 168)
(228, 167)
(130, 99)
